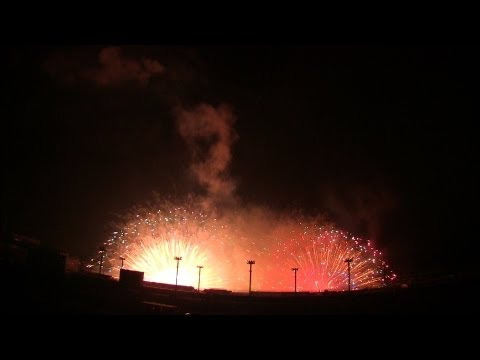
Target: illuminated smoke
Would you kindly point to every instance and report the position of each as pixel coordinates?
(116, 68)
(209, 134)
(112, 68)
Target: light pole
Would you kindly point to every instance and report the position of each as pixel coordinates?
(121, 258)
(295, 270)
(250, 262)
(384, 273)
(102, 251)
(200, 267)
(348, 261)
(178, 258)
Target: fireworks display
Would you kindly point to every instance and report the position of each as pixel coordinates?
(219, 234)
(149, 239)
(320, 253)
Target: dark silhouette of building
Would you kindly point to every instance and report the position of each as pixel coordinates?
(131, 278)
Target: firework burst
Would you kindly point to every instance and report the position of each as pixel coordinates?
(150, 238)
(320, 254)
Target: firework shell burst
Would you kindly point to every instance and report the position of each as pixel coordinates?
(150, 238)
(319, 252)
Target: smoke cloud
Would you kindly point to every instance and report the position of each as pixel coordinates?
(209, 134)
(116, 68)
(112, 68)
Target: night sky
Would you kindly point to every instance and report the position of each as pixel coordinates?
(381, 138)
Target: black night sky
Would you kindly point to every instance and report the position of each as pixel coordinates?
(381, 138)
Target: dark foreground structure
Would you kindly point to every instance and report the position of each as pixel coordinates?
(29, 292)
(39, 280)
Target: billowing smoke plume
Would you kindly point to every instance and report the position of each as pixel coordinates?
(207, 130)
(209, 134)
